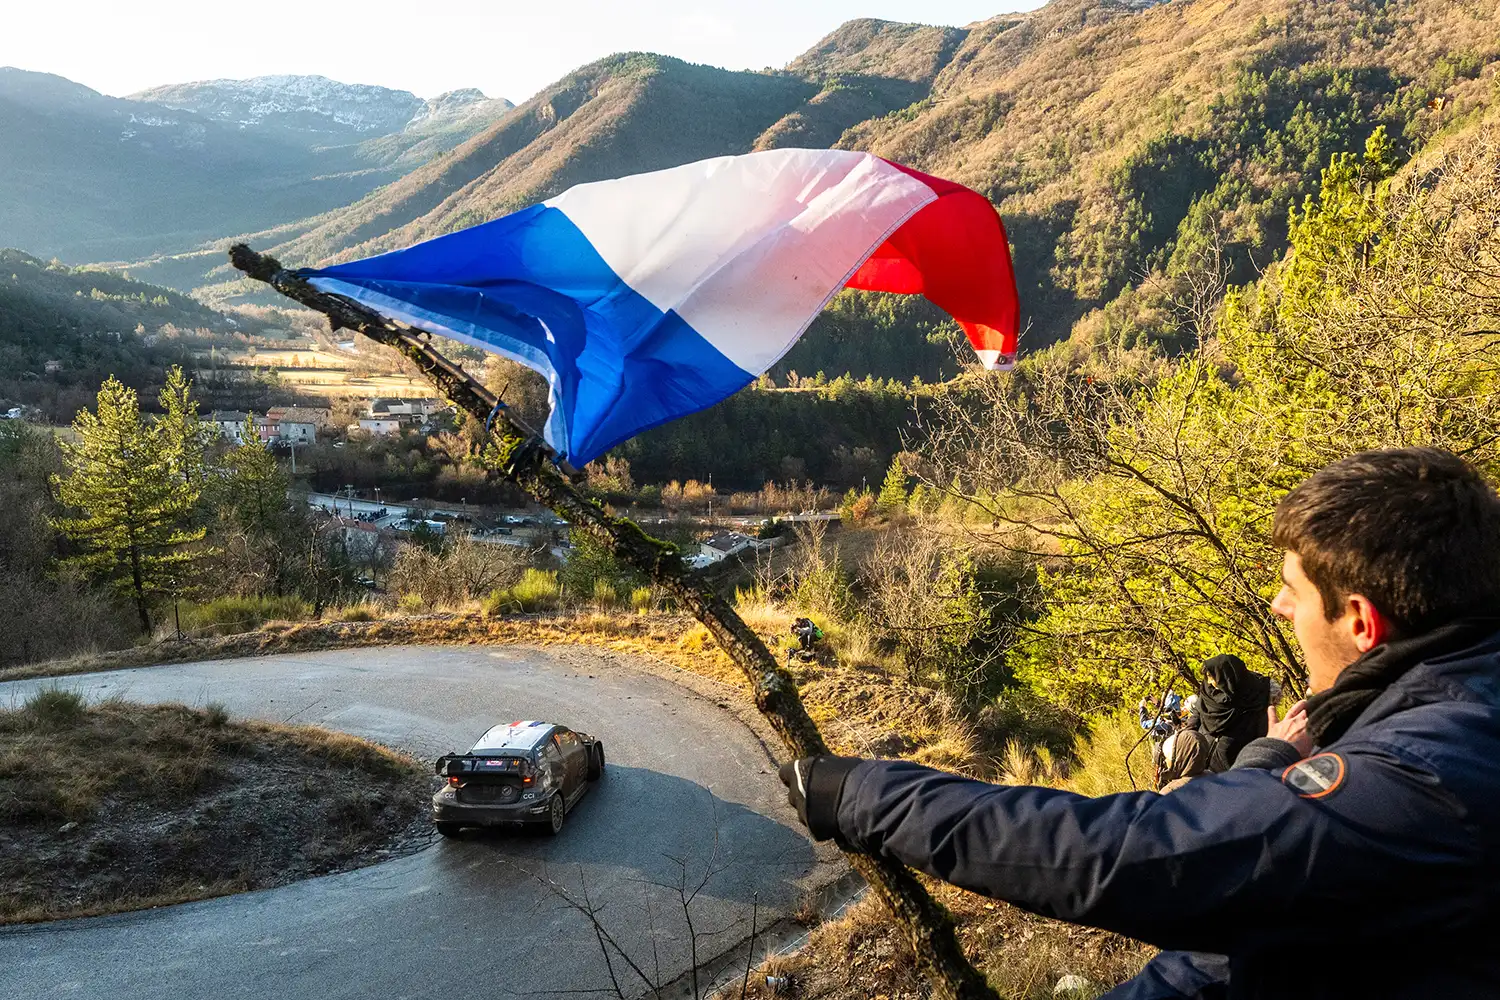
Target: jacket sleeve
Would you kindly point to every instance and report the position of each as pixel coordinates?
(1177, 975)
(1268, 753)
(1226, 859)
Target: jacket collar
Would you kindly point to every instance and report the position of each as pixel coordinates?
(1330, 713)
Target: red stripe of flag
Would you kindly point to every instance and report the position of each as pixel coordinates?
(955, 253)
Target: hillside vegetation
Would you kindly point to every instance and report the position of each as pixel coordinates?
(1121, 142)
(621, 115)
(92, 324)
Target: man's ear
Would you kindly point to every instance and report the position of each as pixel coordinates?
(1368, 628)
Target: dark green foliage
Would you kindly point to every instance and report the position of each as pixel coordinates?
(837, 433)
(591, 564)
(96, 323)
(46, 613)
(882, 335)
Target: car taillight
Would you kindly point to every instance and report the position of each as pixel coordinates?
(528, 772)
(452, 781)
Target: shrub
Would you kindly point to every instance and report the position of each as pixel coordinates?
(496, 603)
(215, 714)
(460, 570)
(537, 590)
(591, 562)
(604, 593)
(641, 599)
(230, 615)
(361, 612)
(53, 707)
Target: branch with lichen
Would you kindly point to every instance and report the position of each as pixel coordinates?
(520, 456)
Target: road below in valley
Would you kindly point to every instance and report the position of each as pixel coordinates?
(690, 796)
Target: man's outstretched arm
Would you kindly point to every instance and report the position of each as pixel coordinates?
(1242, 853)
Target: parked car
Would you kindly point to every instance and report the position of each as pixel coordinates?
(518, 772)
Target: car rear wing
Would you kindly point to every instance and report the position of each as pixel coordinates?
(456, 765)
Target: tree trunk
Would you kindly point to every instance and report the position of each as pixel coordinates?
(139, 587)
(520, 455)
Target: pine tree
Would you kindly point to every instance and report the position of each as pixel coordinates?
(133, 483)
(892, 496)
(257, 524)
(181, 434)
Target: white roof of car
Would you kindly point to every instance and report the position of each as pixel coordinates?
(513, 736)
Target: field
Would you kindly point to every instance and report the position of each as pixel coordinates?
(330, 374)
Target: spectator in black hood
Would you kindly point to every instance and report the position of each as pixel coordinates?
(1231, 708)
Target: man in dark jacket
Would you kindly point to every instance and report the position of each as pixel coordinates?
(1368, 868)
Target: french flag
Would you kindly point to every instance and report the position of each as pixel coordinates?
(654, 296)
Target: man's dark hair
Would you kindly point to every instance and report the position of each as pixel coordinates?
(1415, 530)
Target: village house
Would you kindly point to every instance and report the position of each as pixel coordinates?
(379, 426)
(720, 546)
(414, 411)
(231, 425)
(298, 425)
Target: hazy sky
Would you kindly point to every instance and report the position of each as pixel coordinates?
(506, 48)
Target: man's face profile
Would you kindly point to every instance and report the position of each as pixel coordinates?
(1329, 646)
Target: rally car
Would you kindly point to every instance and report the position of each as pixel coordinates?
(518, 772)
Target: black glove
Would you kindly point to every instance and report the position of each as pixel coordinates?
(814, 786)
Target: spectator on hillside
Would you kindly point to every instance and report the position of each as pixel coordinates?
(1231, 709)
(808, 634)
(1229, 713)
(1368, 869)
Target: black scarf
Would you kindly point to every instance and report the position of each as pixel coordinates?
(1330, 713)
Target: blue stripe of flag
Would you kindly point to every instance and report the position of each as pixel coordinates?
(531, 286)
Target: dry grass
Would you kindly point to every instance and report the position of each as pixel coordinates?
(766, 617)
(1100, 758)
(861, 711)
(117, 806)
(861, 955)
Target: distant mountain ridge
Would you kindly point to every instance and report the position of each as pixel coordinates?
(1120, 139)
(88, 177)
(318, 105)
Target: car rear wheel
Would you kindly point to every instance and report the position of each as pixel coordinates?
(557, 813)
(596, 762)
(447, 829)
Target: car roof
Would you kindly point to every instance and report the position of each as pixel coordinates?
(523, 735)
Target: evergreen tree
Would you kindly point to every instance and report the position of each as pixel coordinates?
(892, 496)
(132, 483)
(846, 508)
(181, 433)
(257, 524)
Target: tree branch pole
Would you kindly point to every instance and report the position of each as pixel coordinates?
(525, 460)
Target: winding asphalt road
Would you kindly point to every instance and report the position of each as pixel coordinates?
(690, 796)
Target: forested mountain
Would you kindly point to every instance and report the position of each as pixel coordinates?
(89, 177)
(88, 324)
(1122, 142)
(621, 115)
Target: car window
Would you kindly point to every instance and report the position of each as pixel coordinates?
(567, 739)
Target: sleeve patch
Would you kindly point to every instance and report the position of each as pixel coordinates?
(1317, 776)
